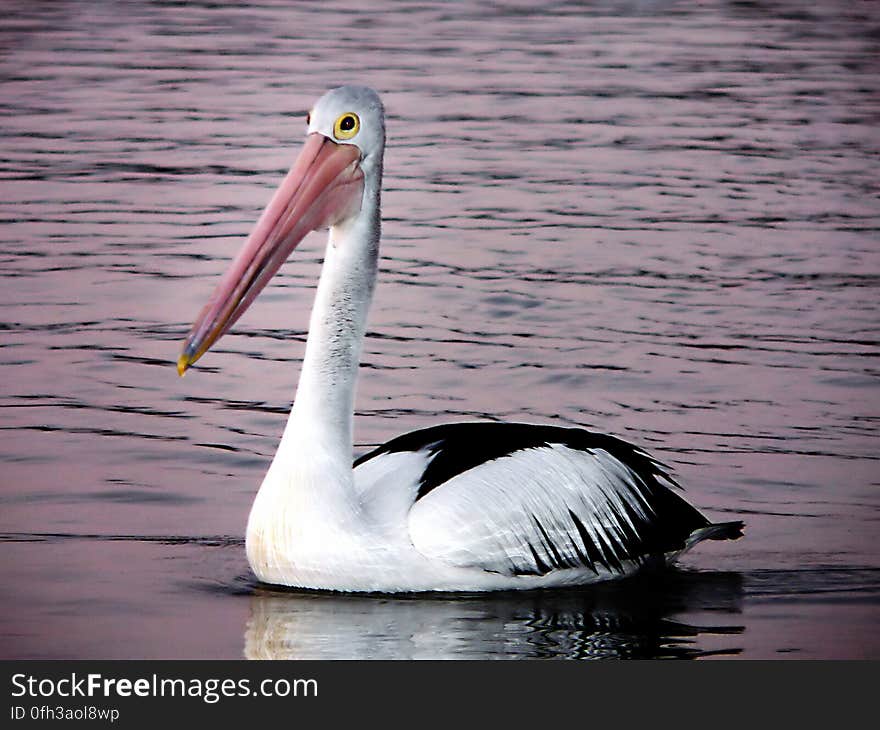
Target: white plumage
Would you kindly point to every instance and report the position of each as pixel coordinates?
(513, 515)
(470, 506)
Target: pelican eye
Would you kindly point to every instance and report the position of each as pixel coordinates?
(346, 126)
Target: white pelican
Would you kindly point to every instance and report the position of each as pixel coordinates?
(456, 507)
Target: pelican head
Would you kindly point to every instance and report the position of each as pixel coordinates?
(340, 163)
(352, 115)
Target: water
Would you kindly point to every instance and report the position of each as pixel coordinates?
(658, 220)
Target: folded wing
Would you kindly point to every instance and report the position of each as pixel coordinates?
(521, 499)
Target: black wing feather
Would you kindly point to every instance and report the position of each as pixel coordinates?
(458, 447)
(662, 524)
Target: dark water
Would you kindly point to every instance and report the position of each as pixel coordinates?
(659, 220)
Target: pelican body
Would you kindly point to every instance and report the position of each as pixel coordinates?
(456, 507)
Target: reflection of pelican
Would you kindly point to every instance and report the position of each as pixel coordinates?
(640, 620)
(470, 506)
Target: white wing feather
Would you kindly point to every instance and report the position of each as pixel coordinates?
(520, 513)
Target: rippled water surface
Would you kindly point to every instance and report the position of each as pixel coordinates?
(658, 220)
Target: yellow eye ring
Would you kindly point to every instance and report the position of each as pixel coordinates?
(346, 126)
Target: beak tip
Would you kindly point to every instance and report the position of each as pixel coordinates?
(183, 362)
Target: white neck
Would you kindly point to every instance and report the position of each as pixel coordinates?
(324, 403)
(320, 424)
(307, 499)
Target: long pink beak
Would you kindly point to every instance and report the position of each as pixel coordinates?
(324, 186)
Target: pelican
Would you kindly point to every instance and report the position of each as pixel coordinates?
(474, 506)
